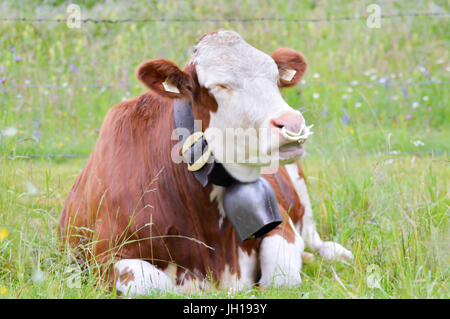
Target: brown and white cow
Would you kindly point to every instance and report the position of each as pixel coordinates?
(149, 222)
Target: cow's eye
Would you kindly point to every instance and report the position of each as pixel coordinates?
(221, 87)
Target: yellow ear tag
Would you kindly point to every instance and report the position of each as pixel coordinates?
(170, 87)
(287, 74)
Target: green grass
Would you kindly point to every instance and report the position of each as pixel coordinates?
(374, 188)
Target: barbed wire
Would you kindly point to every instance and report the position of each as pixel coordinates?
(238, 19)
(75, 156)
(385, 83)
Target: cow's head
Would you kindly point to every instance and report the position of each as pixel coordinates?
(239, 86)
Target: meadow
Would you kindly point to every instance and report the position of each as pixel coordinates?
(377, 164)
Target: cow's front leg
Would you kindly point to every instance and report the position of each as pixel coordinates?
(327, 249)
(135, 277)
(280, 258)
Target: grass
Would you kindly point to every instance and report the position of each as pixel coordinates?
(377, 166)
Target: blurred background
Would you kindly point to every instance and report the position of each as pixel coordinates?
(376, 90)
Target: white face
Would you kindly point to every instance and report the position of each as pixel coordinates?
(244, 82)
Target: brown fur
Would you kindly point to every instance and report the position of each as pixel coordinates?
(290, 59)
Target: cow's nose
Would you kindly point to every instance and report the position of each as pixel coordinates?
(292, 122)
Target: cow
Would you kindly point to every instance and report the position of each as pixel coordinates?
(149, 223)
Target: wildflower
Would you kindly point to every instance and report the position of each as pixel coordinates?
(4, 233)
(31, 189)
(3, 290)
(65, 114)
(405, 92)
(27, 82)
(415, 105)
(302, 82)
(345, 117)
(354, 83)
(440, 61)
(17, 58)
(67, 138)
(61, 144)
(357, 104)
(19, 96)
(137, 87)
(382, 80)
(408, 116)
(64, 85)
(418, 143)
(10, 131)
(395, 98)
(373, 77)
(422, 69)
(345, 96)
(350, 90)
(389, 161)
(394, 152)
(425, 98)
(3, 79)
(73, 68)
(38, 276)
(316, 95)
(316, 75)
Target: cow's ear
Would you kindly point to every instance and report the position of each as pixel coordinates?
(165, 78)
(291, 65)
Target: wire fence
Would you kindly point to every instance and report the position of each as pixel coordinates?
(80, 156)
(236, 19)
(385, 83)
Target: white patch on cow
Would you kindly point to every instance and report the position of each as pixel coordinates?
(280, 261)
(329, 250)
(147, 278)
(244, 82)
(216, 194)
(248, 265)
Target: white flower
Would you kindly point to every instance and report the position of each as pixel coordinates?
(357, 104)
(440, 61)
(10, 131)
(27, 82)
(373, 77)
(415, 105)
(38, 276)
(316, 95)
(19, 96)
(418, 143)
(395, 98)
(354, 83)
(393, 76)
(350, 90)
(64, 85)
(382, 80)
(303, 82)
(389, 161)
(394, 152)
(422, 69)
(316, 75)
(368, 72)
(425, 98)
(31, 189)
(345, 96)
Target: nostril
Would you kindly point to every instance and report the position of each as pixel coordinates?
(277, 124)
